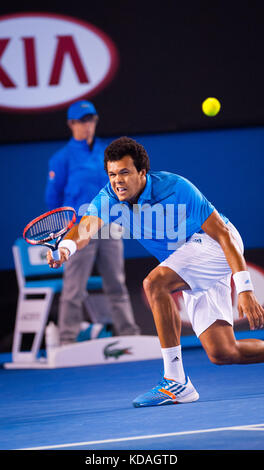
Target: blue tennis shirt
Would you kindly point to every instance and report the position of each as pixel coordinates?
(168, 212)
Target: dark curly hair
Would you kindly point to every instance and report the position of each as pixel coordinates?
(123, 146)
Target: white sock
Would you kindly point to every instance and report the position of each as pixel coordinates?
(173, 367)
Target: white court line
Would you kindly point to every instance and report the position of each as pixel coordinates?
(248, 427)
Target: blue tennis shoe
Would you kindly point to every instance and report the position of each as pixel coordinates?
(168, 392)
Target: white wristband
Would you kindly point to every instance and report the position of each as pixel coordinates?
(69, 244)
(242, 281)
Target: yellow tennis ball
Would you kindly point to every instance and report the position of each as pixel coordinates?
(211, 106)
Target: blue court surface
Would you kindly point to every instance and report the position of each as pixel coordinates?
(90, 408)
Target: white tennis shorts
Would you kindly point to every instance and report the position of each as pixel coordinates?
(202, 264)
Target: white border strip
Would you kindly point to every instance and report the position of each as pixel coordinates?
(248, 427)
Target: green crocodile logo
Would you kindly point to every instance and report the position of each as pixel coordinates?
(109, 351)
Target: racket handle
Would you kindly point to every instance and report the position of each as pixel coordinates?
(56, 255)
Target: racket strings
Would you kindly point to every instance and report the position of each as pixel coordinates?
(51, 224)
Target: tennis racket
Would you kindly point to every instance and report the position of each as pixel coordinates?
(48, 229)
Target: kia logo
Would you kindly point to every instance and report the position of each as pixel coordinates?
(48, 61)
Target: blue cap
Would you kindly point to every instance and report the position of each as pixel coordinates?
(80, 108)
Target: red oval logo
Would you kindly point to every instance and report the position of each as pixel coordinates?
(48, 61)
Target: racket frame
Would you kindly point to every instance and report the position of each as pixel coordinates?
(58, 235)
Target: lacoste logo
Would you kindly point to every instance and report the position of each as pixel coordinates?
(115, 352)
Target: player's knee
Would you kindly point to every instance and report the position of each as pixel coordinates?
(224, 355)
(152, 285)
(149, 285)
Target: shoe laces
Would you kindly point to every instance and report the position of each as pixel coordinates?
(163, 382)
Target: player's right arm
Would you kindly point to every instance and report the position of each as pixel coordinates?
(80, 235)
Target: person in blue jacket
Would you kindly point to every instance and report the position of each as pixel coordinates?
(76, 174)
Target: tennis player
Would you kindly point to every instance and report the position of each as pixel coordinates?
(198, 249)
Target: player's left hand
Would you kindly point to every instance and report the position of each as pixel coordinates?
(249, 306)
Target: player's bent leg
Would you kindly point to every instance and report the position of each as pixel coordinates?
(163, 277)
(222, 347)
(219, 342)
(158, 286)
(176, 388)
